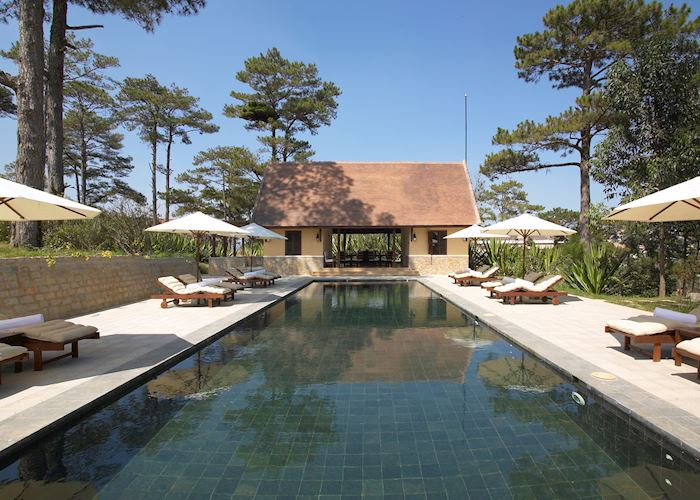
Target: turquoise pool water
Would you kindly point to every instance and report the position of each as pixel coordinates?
(374, 390)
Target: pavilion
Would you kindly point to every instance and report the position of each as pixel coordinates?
(318, 206)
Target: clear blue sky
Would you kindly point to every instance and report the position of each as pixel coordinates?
(403, 67)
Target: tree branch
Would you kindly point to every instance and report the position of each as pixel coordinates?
(8, 81)
(84, 27)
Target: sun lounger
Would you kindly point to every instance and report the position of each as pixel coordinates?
(543, 289)
(468, 271)
(687, 349)
(476, 277)
(52, 335)
(236, 276)
(260, 273)
(533, 277)
(12, 354)
(650, 329)
(177, 291)
(191, 281)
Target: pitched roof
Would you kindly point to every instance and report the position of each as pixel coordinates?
(344, 194)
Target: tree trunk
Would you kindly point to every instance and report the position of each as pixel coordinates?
(154, 171)
(585, 194)
(54, 98)
(661, 264)
(167, 175)
(31, 132)
(83, 166)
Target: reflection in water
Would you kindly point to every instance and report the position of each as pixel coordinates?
(353, 389)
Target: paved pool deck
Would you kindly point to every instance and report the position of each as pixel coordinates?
(135, 340)
(571, 336)
(138, 339)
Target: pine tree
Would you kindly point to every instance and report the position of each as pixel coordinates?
(182, 116)
(141, 105)
(288, 98)
(580, 42)
(224, 184)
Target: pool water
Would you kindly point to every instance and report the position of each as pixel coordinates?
(375, 390)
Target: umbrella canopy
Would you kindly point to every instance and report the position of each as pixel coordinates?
(677, 203)
(527, 226)
(198, 224)
(523, 374)
(473, 232)
(257, 232)
(23, 203)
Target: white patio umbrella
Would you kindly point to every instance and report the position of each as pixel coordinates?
(677, 203)
(257, 232)
(526, 226)
(198, 224)
(475, 232)
(23, 203)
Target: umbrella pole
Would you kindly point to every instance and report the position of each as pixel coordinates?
(524, 249)
(197, 255)
(250, 242)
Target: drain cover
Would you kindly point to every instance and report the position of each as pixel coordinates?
(604, 375)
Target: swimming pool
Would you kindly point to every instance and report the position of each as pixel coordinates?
(348, 390)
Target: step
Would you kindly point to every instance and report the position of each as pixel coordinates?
(366, 271)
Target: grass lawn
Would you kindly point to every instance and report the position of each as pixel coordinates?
(681, 304)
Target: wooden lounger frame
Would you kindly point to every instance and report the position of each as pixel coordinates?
(474, 280)
(679, 354)
(37, 347)
(509, 297)
(657, 339)
(17, 360)
(211, 298)
(252, 281)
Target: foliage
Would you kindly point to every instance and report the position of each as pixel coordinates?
(504, 255)
(657, 95)
(288, 98)
(686, 273)
(182, 116)
(224, 183)
(595, 270)
(504, 200)
(94, 165)
(579, 43)
(141, 105)
(7, 102)
(147, 13)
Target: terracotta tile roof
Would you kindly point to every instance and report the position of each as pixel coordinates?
(344, 194)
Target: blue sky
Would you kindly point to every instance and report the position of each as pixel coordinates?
(403, 67)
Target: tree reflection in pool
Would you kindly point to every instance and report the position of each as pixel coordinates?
(360, 389)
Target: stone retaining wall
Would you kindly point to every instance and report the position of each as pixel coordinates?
(427, 265)
(74, 286)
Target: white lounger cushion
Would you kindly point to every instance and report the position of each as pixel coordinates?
(56, 330)
(541, 286)
(636, 327)
(7, 325)
(689, 319)
(476, 274)
(10, 351)
(692, 346)
(176, 286)
(493, 284)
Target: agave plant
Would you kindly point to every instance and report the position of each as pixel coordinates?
(503, 255)
(593, 272)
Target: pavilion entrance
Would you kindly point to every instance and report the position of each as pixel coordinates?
(366, 247)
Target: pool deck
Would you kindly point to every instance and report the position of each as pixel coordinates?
(571, 336)
(135, 339)
(138, 339)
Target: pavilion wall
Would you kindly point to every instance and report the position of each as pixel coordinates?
(63, 287)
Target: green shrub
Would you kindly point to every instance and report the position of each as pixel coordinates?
(594, 271)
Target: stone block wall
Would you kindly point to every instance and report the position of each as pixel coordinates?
(291, 265)
(437, 264)
(74, 286)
